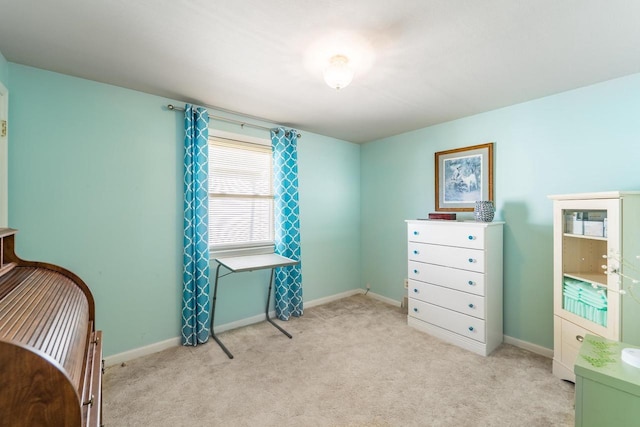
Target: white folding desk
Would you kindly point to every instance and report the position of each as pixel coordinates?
(249, 263)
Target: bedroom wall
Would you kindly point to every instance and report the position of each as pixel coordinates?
(583, 140)
(96, 186)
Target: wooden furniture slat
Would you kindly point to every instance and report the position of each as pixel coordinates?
(31, 305)
(50, 353)
(11, 278)
(48, 312)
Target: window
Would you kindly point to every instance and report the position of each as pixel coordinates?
(240, 196)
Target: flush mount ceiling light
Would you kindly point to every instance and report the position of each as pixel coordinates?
(339, 56)
(338, 73)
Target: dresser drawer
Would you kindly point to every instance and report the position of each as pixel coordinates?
(461, 324)
(439, 233)
(461, 280)
(462, 302)
(448, 256)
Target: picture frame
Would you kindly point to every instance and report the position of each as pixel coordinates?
(463, 176)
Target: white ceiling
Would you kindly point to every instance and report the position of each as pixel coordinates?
(432, 60)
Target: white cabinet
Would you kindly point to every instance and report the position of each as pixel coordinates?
(592, 233)
(455, 282)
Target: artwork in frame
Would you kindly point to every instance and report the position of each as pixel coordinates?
(463, 176)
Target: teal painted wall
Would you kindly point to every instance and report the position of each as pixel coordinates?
(329, 172)
(96, 179)
(584, 140)
(95, 176)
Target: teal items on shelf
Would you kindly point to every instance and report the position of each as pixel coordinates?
(582, 299)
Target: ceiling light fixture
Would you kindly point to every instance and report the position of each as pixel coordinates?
(338, 73)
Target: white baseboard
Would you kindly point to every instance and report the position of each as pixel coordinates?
(174, 342)
(359, 291)
(381, 298)
(119, 358)
(325, 300)
(534, 348)
(116, 359)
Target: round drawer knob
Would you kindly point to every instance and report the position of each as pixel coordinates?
(471, 260)
(415, 290)
(416, 252)
(416, 272)
(415, 233)
(472, 306)
(415, 309)
(472, 237)
(471, 283)
(471, 329)
(579, 338)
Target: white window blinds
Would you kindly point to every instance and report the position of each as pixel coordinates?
(240, 195)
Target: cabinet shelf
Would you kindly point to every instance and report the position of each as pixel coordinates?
(582, 236)
(595, 278)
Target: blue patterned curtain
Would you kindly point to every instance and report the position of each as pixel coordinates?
(195, 291)
(288, 280)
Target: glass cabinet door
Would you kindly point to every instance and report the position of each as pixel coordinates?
(586, 294)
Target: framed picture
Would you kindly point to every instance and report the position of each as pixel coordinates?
(463, 176)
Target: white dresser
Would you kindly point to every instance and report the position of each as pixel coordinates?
(455, 282)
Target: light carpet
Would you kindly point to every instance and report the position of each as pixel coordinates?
(352, 362)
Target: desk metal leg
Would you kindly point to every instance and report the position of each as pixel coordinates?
(267, 309)
(213, 312)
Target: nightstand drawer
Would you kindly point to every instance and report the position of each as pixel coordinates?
(461, 324)
(461, 280)
(439, 233)
(448, 256)
(462, 302)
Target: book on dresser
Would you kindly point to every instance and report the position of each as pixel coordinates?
(455, 282)
(50, 352)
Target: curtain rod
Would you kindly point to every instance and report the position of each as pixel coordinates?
(224, 119)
